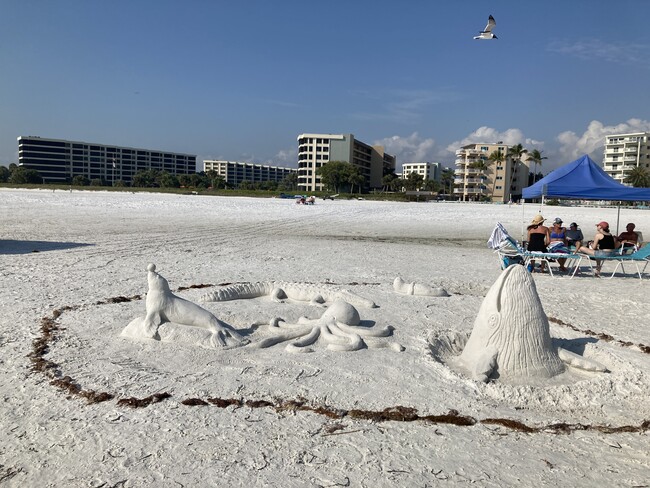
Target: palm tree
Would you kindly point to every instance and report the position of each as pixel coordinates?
(536, 157)
(480, 165)
(497, 158)
(638, 177)
(447, 179)
(515, 152)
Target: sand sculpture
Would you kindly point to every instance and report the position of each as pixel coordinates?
(173, 319)
(279, 291)
(417, 289)
(339, 327)
(511, 337)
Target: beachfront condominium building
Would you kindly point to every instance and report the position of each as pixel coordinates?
(235, 172)
(478, 178)
(316, 150)
(623, 152)
(428, 171)
(58, 160)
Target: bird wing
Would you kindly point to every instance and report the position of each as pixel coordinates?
(491, 23)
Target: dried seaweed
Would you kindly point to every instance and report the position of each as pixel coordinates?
(134, 402)
(194, 402)
(224, 403)
(511, 424)
(600, 335)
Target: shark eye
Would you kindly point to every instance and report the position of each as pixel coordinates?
(493, 321)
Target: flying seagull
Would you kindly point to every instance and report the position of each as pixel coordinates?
(487, 33)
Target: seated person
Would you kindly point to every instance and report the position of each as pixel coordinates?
(604, 244)
(538, 238)
(558, 241)
(629, 238)
(574, 235)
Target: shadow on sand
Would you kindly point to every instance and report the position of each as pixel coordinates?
(10, 246)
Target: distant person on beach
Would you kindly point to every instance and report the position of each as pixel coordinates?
(558, 242)
(604, 244)
(629, 238)
(538, 238)
(574, 235)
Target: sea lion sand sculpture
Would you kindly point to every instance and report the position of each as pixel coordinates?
(511, 338)
(164, 307)
(338, 327)
(404, 288)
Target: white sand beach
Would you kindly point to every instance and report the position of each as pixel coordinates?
(73, 274)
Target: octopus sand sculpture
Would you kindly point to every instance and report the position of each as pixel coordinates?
(173, 319)
(279, 290)
(511, 338)
(339, 327)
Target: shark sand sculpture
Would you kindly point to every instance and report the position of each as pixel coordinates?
(511, 337)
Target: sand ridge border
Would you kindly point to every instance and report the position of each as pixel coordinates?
(50, 331)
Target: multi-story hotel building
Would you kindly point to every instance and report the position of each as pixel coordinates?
(316, 150)
(624, 152)
(499, 182)
(428, 171)
(235, 172)
(58, 161)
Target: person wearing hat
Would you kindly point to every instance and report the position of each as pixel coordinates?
(629, 238)
(604, 244)
(558, 241)
(574, 235)
(538, 238)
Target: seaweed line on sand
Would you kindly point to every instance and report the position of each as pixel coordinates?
(600, 335)
(408, 414)
(50, 331)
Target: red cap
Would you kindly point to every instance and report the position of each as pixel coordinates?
(603, 224)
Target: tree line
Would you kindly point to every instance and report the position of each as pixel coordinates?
(151, 178)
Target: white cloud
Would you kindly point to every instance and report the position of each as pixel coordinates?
(612, 52)
(287, 157)
(409, 149)
(592, 141)
(403, 106)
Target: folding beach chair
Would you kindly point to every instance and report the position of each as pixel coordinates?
(642, 256)
(509, 250)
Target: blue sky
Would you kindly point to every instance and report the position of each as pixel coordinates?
(239, 80)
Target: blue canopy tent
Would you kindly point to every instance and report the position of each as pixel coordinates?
(583, 179)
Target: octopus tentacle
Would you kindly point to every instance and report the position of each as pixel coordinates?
(353, 342)
(309, 339)
(286, 335)
(366, 331)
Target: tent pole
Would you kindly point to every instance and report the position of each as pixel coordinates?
(523, 216)
(618, 216)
